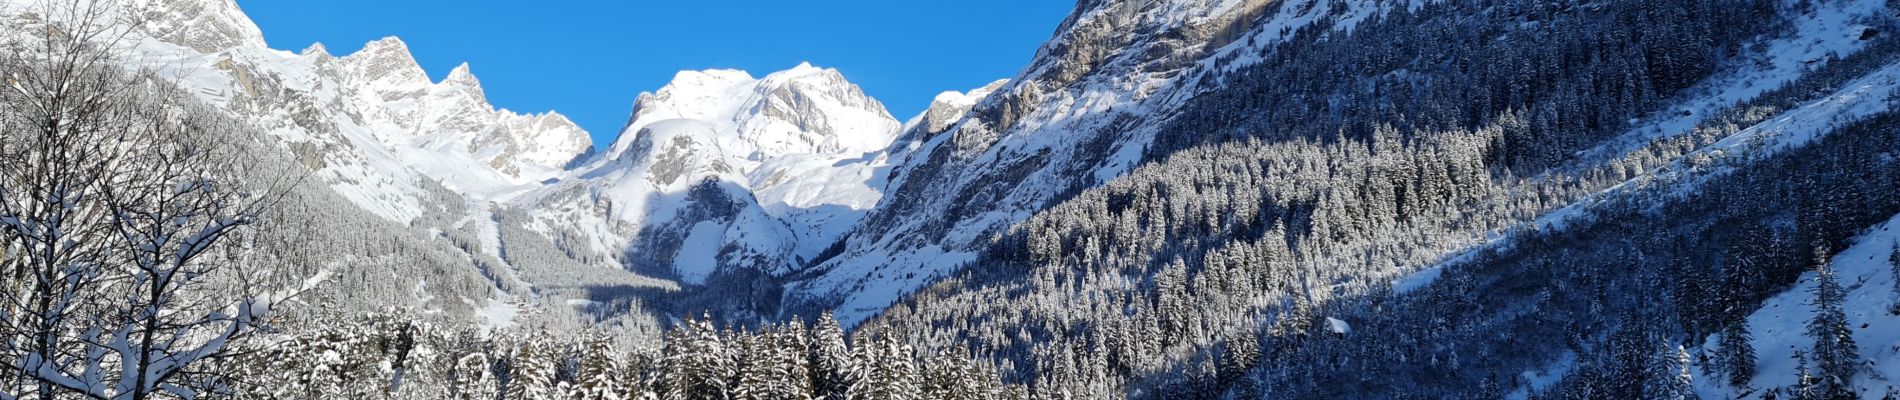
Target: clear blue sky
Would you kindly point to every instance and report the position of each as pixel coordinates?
(590, 59)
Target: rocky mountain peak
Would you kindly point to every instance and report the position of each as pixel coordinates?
(462, 80)
(949, 107)
(386, 68)
(203, 25)
(316, 50)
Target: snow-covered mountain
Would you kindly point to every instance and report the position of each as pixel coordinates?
(426, 157)
(441, 124)
(721, 178)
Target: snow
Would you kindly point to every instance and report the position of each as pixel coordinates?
(1539, 380)
(496, 314)
(1779, 325)
(698, 254)
(1338, 326)
(873, 288)
(803, 110)
(1419, 280)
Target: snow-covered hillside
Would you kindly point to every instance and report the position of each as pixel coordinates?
(1780, 326)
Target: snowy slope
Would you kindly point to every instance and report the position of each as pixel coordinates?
(1780, 325)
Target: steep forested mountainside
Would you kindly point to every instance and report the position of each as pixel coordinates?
(1267, 249)
(1080, 114)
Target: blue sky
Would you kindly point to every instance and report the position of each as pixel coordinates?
(590, 59)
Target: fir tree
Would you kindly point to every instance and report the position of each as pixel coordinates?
(1804, 382)
(831, 364)
(699, 365)
(1893, 262)
(886, 371)
(1834, 352)
(598, 376)
(1671, 379)
(474, 378)
(532, 371)
(1735, 354)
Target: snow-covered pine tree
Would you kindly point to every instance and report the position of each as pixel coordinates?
(598, 376)
(1630, 369)
(1671, 379)
(754, 369)
(831, 360)
(698, 365)
(638, 377)
(1893, 262)
(953, 375)
(1835, 354)
(474, 379)
(773, 366)
(1805, 382)
(533, 367)
(1735, 354)
(886, 370)
(792, 361)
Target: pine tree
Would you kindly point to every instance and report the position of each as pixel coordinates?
(831, 363)
(885, 371)
(1893, 261)
(532, 370)
(952, 376)
(699, 364)
(1735, 354)
(1834, 352)
(774, 366)
(1630, 370)
(1671, 379)
(474, 378)
(598, 375)
(1805, 382)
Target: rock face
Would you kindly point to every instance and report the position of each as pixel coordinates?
(948, 109)
(203, 25)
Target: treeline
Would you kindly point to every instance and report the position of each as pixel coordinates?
(400, 355)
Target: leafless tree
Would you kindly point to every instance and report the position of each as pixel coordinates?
(117, 194)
